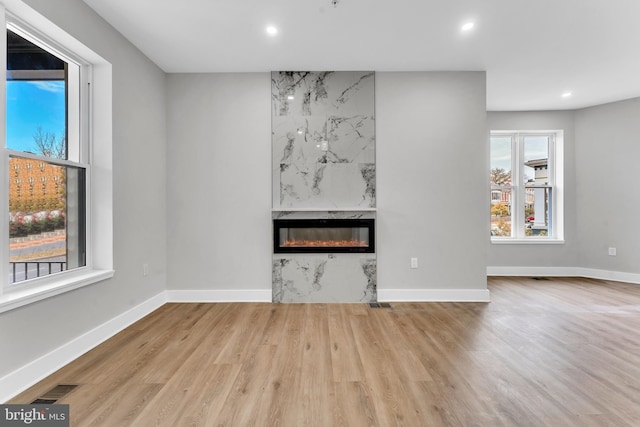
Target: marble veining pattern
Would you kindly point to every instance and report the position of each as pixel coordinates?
(324, 278)
(370, 270)
(278, 283)
(323, 139)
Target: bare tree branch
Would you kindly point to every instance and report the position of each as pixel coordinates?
(48, 145)
(500, 177)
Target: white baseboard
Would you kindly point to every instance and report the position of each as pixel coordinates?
(617, 276)
(590, 273)
(533, 271)
(228, 295)
(29, 374)
(433, 295)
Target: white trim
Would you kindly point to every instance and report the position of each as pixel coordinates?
(4, 161)
(590, 273)
(226, 295)
(617, 276)
(22, 378)
(21, 11)
(525, 241)
(434, 295)
(533, 271)
(50, 286)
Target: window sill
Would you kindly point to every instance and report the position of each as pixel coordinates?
(13, 299)
(509, 241)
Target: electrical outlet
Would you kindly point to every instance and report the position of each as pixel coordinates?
(414, 262)
(612, 252)
(145, 269)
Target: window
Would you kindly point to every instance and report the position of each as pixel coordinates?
(47, 165)
(54, 166)
(526, 186)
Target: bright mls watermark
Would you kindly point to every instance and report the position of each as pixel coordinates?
(34, 415)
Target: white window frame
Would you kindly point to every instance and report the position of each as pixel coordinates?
(518, 188)
(95, 129)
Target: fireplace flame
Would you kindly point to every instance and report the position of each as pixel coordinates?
(353, 243)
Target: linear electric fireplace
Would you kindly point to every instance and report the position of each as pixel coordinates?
(323, 236)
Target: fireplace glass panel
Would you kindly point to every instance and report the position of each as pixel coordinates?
(349, 237)
(323, 236)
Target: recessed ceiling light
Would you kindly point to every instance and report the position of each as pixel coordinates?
(290, 97)
(271, 30)
(467, 26)
(566, 94)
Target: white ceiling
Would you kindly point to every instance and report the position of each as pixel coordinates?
(532, 50)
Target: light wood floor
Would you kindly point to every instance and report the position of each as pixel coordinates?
(562, 352)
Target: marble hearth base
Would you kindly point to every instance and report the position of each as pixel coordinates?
(324, 278)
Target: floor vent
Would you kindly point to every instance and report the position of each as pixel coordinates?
(540, 278)
(379, 305)
(55, 394)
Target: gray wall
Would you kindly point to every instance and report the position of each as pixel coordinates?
(432, 158)
(541, 255)
(219, 181)
(139, 159)
(608, 193)
(219, 146)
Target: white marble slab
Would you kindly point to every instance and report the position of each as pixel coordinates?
(326, 184)
(324, 214)
(324, 278)
(323, 139)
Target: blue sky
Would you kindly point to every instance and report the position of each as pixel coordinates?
(31, 104)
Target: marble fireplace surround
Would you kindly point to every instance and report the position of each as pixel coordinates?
(323, 140)
(323, 167)
(324, 277)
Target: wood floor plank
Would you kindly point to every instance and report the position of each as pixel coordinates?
(118, 409)
(354, 405)
(389, 395)
(316, 385)
(279, 402)
(242, 403)
(558, 352)
(345, 361)
(188, 335)
(246, 331)
(191, 402)
(409, 366)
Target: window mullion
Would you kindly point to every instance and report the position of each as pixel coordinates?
(4, 216)
(516, 211)
(51, 160)
(552, 183)
(4, 161)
